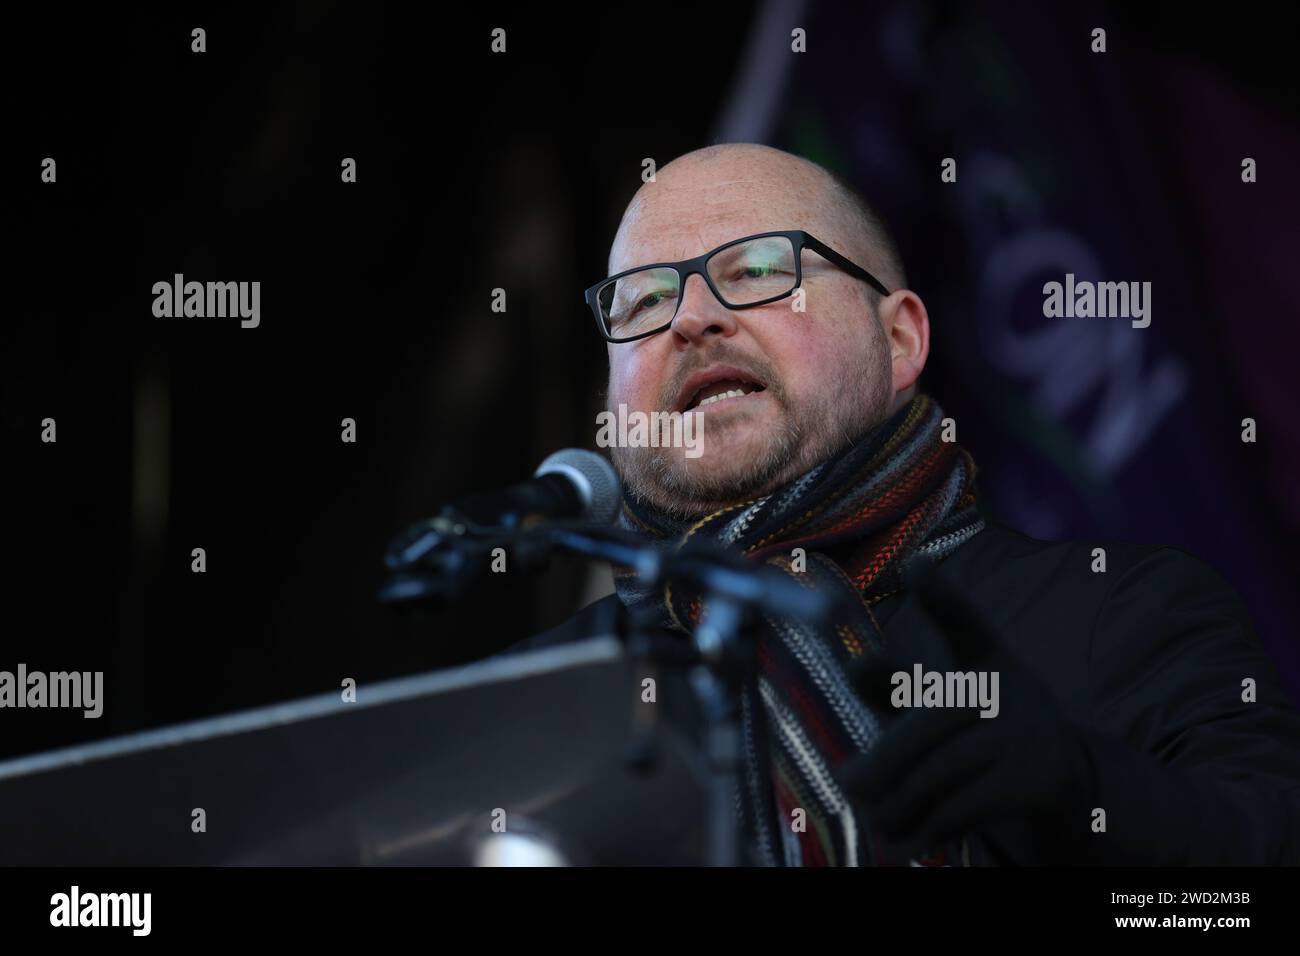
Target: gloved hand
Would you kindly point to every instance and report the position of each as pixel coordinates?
(939, 773)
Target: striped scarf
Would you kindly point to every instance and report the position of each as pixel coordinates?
(851, 522)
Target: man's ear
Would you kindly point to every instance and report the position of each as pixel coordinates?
(906, 324)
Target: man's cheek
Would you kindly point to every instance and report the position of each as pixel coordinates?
(807, 341)
(639, 391)
(831, 356)
(619, 388)
(813, 365)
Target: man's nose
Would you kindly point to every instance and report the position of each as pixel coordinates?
(700, 314)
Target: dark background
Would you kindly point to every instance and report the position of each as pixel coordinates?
(478, 171)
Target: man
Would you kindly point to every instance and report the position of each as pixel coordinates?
(1126, 711)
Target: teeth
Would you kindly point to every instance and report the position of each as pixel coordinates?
(720, 396)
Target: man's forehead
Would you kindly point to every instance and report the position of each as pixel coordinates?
(688, 240)
(684, 220)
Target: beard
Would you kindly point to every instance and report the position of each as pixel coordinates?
(807, 433)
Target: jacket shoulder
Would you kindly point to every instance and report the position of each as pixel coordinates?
(1012, 574)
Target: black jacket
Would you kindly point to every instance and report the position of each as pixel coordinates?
(1152, 653)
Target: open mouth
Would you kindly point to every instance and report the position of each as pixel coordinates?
(714, 386)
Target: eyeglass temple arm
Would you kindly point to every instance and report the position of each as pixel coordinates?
(847, 265)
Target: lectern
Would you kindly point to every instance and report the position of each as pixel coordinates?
(519, 758)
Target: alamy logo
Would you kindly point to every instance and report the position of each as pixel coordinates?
(946, 689)
(208, 300)
(1103, 300)
(102, 909)
(59, 689)
(651, 430)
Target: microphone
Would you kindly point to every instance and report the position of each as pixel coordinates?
(440, 558)
(571, 484)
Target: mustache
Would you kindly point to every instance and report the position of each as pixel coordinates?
(753, 365)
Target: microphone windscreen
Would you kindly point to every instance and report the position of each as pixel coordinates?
(593, 476)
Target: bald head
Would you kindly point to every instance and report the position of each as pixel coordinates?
(813, 198)
(778, 387)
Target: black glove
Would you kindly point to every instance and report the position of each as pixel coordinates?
(939, 773)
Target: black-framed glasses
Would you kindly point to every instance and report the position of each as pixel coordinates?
(742, 274)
